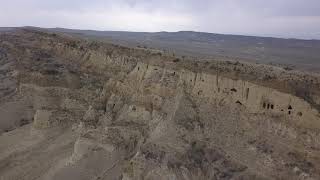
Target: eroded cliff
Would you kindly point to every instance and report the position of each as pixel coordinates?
(101, 111)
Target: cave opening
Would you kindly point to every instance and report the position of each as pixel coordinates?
(289, 109)
(238, 102)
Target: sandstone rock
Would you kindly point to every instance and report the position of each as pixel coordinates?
(42, 119)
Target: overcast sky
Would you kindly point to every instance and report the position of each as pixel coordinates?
(280, 18)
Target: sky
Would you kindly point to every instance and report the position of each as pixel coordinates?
(277, 18)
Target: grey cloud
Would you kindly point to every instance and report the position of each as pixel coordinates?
(284, 18)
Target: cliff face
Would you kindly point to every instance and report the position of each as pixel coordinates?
(112, 112)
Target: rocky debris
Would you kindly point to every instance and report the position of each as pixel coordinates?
(90, 117)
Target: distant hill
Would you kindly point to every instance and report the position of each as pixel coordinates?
(295, 53)
(302, 54)
(6, 29)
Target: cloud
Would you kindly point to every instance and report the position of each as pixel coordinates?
(282, 18)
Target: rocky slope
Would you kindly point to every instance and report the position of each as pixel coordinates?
(76, 109)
